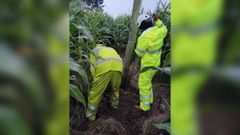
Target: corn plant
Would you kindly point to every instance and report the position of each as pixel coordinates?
(97, 23)
(120, 31)
(79, 82)
(89, 27)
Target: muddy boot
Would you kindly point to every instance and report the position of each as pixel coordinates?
(114, 103)
(90, 117)
(91, 113)
(114, 106)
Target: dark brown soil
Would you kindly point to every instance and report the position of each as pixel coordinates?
(218, 107)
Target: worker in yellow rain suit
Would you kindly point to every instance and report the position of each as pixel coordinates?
(149, 49)
(106, 67)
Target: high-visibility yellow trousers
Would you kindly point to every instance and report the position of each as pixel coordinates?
(145, 89)
(99, 85)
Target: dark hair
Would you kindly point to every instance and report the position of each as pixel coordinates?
(146, 24)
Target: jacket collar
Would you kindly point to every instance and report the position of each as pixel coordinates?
(146, 31)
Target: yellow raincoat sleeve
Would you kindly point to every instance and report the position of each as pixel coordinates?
(93, 60)
(142, 46)
(158, 22)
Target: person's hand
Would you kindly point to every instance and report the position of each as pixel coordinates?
(155, 17)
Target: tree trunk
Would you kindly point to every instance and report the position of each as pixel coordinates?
(131, 39)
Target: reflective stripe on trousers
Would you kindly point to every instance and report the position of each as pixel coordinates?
(150, 52)
(146, 99)
(92, 107)
(145, 89)
(91, 112)
(107, 59)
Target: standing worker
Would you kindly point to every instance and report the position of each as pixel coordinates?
(149, 49)
(106, 67)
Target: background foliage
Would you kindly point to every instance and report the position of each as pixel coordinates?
(89, 27)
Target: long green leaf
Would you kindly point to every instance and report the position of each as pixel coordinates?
(167, 60)
(80, 73)
(85, 31)
(76, 93)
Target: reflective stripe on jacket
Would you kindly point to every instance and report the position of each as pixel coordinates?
(104, 59)
(150, 43)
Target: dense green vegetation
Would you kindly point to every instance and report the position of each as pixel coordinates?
(88, 28)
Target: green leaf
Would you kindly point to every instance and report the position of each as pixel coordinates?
(76, 93)
(85, 31)
(167, 60)
(163, 126)
(80, 73)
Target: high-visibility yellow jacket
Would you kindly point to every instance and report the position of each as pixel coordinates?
(104, 59)
(150, 43)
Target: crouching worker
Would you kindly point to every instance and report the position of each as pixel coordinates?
(106, 68)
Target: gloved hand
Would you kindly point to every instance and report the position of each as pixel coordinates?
(155, 17)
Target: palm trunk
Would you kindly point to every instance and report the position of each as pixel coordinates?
(131, 39)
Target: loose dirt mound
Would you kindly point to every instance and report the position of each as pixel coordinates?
(106, 126)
